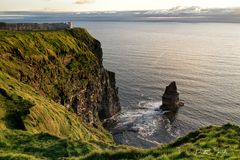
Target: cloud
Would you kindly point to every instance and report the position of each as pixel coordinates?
(192, 11)
(84, 1)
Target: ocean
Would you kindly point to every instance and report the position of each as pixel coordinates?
(203, 59)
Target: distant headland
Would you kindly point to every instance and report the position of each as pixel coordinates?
(34, 26)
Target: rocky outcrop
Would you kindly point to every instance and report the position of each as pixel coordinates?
(170, 98)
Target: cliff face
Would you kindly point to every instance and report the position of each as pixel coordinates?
(65, 66)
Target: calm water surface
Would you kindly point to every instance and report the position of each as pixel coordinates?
(204, 60)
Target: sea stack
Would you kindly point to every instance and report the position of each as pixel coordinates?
(170, 98)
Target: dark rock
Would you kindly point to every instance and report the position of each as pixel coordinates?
(170, 99)
(97, 101)
(110, 102)
(171, 116)
(109, 123)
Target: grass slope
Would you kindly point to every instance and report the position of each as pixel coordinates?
(16, 144)
(207, 143)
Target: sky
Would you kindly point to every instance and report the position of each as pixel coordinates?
(109, 5)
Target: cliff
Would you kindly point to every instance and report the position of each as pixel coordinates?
(65, 66)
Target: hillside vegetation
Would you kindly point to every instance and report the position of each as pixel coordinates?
(54, 93)
(207, 143)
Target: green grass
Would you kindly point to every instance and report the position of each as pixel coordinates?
(15, 143)
(15, 109)
(207, 143)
